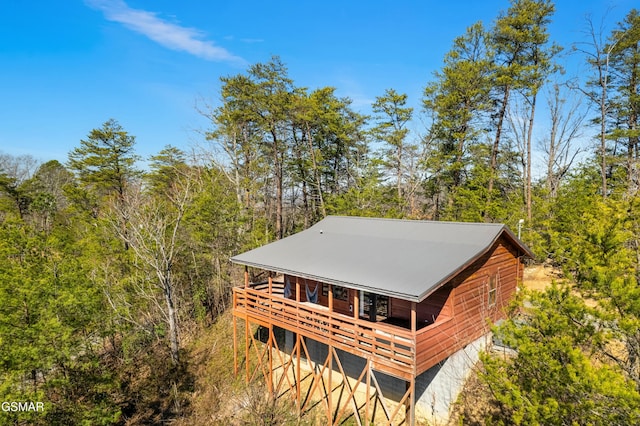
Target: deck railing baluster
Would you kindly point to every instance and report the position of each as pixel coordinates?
(391, 348)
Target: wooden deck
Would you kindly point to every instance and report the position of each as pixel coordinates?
(391, 349)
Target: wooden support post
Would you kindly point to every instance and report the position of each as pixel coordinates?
(330, 354)
(298, 378)
(356, 304)
(298, 346)
(356, 315)
(235, 342)
(410, 404)
(410, 414)
(270, 291)
(270, 357)
(330, 380)
(246, 277)
(414, 319)
(368, 396)
(246, 348)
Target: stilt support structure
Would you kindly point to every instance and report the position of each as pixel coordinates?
(321, 386)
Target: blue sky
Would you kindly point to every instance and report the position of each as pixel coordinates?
(68, 66)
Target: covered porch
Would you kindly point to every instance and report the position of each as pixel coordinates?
(389, 336)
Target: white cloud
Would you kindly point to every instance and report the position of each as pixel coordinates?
(163, 32)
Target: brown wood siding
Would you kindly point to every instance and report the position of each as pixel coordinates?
(400, 309)
(433, 307)
(341, 306)
(471, 314)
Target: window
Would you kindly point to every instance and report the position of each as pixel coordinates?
(339, 293)
(368, 299)
(493, 291)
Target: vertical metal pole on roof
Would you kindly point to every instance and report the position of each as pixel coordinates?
(520, 222)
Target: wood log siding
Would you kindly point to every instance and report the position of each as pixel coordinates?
(436, 306)
(472, 317)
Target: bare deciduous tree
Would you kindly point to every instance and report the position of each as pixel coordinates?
(155, 224)
(567, 118)
(598, 55)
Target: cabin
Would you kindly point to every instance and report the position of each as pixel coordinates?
(382, 306)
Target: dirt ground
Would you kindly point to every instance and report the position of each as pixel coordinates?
(539, 277)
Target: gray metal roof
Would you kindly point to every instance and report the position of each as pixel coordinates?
(407, 259)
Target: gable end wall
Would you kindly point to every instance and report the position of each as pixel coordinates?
(472, 317)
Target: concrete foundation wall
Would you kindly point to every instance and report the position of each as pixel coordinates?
(438, 388)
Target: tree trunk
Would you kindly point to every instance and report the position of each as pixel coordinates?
(174, 338)
(496, 146)
(124, 219)
(316, 174)
(399, 173)
(632, 150)
(529, 137)
(603, 140)
(278, 174)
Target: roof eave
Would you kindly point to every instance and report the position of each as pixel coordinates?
(511, 236)
(397, 295)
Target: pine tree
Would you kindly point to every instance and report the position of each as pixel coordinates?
(551, 379)
(625, 103)
(458, 101)
(522, 63)
(391, 128)
(105, 166)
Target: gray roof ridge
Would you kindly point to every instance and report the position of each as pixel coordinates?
(444, 222)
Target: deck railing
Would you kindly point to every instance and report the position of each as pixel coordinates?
(391, 349)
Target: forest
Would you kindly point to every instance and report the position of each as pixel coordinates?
(115, 275)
